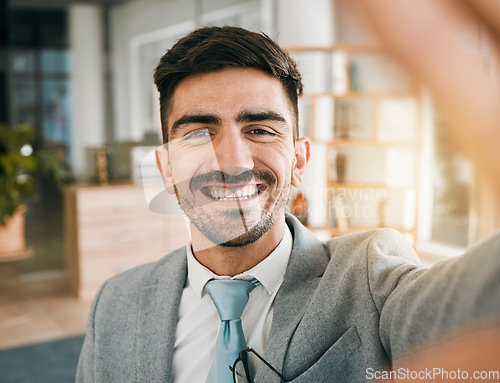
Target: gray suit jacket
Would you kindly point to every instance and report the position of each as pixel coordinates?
(356, 302)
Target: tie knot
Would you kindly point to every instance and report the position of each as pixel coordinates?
(230, 296)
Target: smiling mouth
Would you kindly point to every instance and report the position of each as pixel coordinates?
(219, 193)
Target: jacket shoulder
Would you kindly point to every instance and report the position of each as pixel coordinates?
(384, 242)
(144, 275)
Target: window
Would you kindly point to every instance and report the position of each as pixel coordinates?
(445, 191)
(146, 49)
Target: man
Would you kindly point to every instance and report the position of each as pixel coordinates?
(316, 312)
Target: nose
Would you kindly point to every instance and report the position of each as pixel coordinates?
(233, 153)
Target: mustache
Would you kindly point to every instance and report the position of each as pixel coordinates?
(217, 176)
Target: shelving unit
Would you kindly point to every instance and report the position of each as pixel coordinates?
(365, 114)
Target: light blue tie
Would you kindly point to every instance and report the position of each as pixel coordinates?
(230, 297)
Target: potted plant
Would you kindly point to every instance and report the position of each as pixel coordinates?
(17, 164)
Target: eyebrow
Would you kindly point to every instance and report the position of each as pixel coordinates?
(260, 116)
(194, 119)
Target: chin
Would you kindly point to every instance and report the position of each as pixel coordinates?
(238, 239)
(241, 241)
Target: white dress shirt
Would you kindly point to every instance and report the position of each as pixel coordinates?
(199, 322)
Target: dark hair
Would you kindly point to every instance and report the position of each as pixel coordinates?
(210, 49)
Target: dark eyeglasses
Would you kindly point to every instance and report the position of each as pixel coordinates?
(241, 367)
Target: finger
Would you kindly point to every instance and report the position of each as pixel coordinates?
(489, 10)
(429, 38)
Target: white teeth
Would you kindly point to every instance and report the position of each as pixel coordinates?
(222, 194)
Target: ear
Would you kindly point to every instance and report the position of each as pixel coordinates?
(302, 155)
(163, 165)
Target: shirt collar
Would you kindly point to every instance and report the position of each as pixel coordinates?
(270, 271)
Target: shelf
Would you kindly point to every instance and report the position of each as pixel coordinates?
(355, 185)
(17, 256)
(347, 185)
(368, 142)
(360, 95)
(334, 48)
(336, 232)
(387, 114)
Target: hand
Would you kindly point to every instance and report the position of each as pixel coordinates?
(432, 39)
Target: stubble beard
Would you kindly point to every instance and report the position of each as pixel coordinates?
(220, 230)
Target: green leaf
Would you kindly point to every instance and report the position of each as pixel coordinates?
(13, 164)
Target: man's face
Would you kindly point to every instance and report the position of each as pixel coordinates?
(231, 156)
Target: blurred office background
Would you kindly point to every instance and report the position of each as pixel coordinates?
(80, 73)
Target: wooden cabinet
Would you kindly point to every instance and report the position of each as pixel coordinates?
(109, 229)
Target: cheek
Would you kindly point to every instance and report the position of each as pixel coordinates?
(280, 164)
(182, 169)
(186, 157)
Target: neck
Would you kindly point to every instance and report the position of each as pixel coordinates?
(231, 261)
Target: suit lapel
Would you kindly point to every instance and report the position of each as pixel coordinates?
(157, 320)
(307, 264)
(159, 307)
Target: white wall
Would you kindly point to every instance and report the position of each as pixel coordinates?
(86, 37)
(128, 21)
(134, 21)
(305, 22)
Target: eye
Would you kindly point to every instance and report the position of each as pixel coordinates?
(261, 134)
(260, 131)
(198, 135)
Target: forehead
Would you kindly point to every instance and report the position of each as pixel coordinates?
(227, 93)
